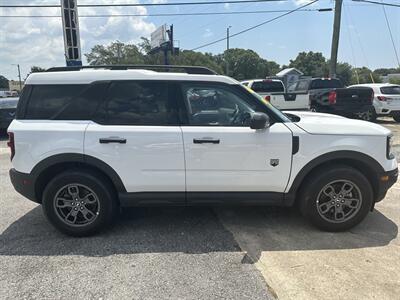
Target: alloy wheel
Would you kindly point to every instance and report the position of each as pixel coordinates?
(76, 205)
(339, 201)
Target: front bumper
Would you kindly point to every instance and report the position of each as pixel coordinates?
(386, 180)
(24, 184)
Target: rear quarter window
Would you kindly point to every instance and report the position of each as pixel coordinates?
(64, 102)
(391, 90)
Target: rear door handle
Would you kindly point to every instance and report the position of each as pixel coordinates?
(110, 140)
(206, 141)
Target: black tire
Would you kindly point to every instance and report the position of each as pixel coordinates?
(312, 196)
(369, 115)
(101, 208)
(374, 116)
(396, 117)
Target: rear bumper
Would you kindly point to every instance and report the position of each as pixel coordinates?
(349, 110)
(24, 184)
(386, 181)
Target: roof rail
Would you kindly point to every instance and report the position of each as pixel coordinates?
(187, 69)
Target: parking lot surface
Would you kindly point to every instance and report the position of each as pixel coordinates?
(199, 253)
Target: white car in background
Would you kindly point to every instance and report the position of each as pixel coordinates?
(386, 99)
(274, 91)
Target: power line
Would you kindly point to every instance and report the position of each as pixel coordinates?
(358, 38)
(143, 4)
(391, 36)
(172, 14)
(255, 26)
(380, 3)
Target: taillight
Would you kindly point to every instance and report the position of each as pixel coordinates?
(332, 97)
(11, 144)
(267, 98)
(381, 98)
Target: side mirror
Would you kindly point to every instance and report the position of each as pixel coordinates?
(259, 121)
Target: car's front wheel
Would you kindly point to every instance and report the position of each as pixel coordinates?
(336, 198)
(79, 203)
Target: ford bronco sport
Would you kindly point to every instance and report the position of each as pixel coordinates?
(89, 140)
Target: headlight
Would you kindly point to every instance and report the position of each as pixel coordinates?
(389, 145)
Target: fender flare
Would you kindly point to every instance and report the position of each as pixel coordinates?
(81, 159)
(357, 157)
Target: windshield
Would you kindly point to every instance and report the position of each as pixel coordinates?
(272, 108)
(391, 90)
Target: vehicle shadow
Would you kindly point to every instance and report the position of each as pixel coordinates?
(282, 229)
(193, 230)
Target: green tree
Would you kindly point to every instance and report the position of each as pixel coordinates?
(115, 53)
(36, 69)
(344, 72)
(394, 81)
(386, 71)
(311, 64)
(3, 82)
(246, 64)
(363, 75)
(192, 58)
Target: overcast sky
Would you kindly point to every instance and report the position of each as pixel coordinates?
(364, 41)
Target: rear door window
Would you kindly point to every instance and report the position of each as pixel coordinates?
(267, 86)
(140, 103)
(64, 102)
(391, 90)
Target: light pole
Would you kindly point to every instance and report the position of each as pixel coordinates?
(19, 76)
(227, 49)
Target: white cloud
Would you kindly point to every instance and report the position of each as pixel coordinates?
(302, 2)
(39, 41)
(208, 33)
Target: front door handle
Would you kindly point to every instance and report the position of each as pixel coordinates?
(112, 140)
(206, 141)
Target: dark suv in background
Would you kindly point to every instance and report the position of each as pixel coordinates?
(8, 107)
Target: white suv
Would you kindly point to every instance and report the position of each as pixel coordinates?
(386, 99)
(86, 142)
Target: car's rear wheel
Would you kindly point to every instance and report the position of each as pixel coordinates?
(336, 199)
(396, 117)
(79, 203)
(369, 115)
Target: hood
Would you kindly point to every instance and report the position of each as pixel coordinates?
(320, 123)
(8, 103)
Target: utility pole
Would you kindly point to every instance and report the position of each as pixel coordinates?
(119, 52)
(19, 76)
(227, 48)
(335, 38)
